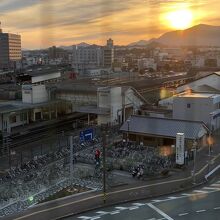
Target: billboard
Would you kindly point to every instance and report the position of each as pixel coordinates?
(180, 148)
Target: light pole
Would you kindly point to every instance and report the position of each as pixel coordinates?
(210, 140)
(194, 161)
(210, 135)
(71, 158)
(104, 165)
(128, 122)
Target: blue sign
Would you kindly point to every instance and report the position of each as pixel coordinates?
(86, 135)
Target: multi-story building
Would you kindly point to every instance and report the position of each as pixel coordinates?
(10, 50)
(147, 63)
(108, 54)
(92, 57)
(86, 57)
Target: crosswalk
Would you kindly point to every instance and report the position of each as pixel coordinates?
(134, 206)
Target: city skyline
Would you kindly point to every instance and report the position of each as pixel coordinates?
(46, 23)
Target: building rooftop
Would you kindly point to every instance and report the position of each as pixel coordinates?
(13, 106)
(164, 127)
(199, 95)
(74, 87)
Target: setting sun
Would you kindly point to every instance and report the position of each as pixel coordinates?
(180, 19)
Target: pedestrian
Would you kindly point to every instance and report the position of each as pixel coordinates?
(97, 156)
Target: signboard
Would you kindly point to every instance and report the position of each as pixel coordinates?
(86, 135)
(180, 148)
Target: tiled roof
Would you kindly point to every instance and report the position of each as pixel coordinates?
(164, 127)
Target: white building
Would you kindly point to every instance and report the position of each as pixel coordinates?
(198, 107)
(92, 56)
(36, 104)
(197, 101)
(120, 101)
(86, 57)
(147, 63)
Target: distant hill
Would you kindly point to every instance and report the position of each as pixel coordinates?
(83, 44)
(199, 35)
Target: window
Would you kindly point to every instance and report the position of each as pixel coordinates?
(12, 119)
(188, 105)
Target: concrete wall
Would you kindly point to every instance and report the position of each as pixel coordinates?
(34, 94)
(116, 103)
(115, 99)
(40, 94)
(194, 109)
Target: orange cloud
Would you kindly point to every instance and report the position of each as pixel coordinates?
(53, 22)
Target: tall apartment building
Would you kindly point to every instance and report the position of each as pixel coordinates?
(86, 57)
(108, 54)
(92, 56)
(10, 50)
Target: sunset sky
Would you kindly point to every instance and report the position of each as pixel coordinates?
(43, 23)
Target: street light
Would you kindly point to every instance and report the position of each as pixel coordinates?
(210, 140)
(128, 122)
(194, 161)
(210, 134)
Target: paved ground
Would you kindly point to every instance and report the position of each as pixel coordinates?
(199, 204)
(142, 189)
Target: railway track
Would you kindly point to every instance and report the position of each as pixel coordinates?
(42, 132)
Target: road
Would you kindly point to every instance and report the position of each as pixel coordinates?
(199, 204)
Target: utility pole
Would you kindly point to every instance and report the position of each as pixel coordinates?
(104, 166)
(71, 158)
(128, 121)
(194, 161)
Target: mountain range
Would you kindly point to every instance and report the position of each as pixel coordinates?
(199, 35)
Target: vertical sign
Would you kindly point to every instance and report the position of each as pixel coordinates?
(180, 148)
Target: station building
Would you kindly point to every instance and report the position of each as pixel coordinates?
(161, 132)
(111, 104)
(38, 103)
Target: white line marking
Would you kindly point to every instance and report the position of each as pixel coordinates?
(114, 212)
(172, 197)
(138, 204)
(211, 188)
(218, 185)
(160, 211)
(203, 210)
(102, 212)
(161, 218)
(182, 214)
(200, 191)
(216, 208)
(133, 208)
(186, 194)
(85, 217)
(96, 217)
(157, 200)
(121, 208)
